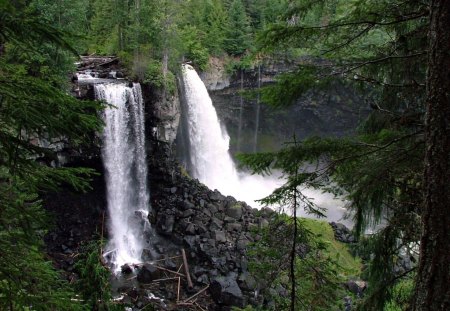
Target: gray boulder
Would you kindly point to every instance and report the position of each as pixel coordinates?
(225, 291)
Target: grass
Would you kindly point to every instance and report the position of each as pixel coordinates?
(335, 249)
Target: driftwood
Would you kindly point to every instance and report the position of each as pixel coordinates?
(178, 291)
(186, 269)
(195, 295)
(168, 270)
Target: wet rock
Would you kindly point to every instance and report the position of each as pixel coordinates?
(166, 223)
(149, 254)
(147, 273)
(234, 211)
(126, 269)
(225, 290)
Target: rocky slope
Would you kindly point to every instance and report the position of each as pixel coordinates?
(214, 231)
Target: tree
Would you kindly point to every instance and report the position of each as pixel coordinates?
(433, 277)
(379, 47)
(237, 39)
(33, 107)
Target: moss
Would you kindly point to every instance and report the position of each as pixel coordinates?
(335, 249)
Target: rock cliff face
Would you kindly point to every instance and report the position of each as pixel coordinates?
(163, 113)
(216, 77)
(334, 111)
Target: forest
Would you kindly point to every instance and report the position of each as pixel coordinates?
(393, 170)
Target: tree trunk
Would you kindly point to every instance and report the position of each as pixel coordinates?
(433, 279)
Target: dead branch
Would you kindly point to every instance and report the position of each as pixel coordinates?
(198, 293)
(186, 269)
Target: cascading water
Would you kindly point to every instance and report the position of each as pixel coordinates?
(210, 160)
(124, 159)
(211, 163)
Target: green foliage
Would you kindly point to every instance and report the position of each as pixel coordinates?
(317, 266)
(195, 51)
(154, 75)
(401, 296)
(94, 282)
(372, 45)
(237, 40)
(35, 112)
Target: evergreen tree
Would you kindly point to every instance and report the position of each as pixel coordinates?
(33, 106)
(381, 44)
(433, 277)
(237, 39)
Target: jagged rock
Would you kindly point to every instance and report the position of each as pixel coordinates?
(126, 269)
(342, 233)
(219, 236)
(190, 229)
(149, 254)
(356, 287)
(166, 223)
(170, 264)
(188, 213)
(226, 291)
(187, 205)
(234, 211)
(147, 273)
(234, 227)
(247, 282)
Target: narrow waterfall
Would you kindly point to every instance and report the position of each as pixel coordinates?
(124, 159)
(258, 111)
(241, 113)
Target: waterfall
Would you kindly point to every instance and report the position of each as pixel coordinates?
(258, 109)
(211, 163)
(241, 113)
(124, 159)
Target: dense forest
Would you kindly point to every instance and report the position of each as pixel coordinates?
(394, 170)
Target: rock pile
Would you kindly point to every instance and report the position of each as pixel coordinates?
(214, 229)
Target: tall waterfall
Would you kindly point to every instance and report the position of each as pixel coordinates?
(210, 160)
(212, 164)
(124, 159)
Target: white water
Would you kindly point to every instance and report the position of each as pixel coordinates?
(124, 159)
(213, 165)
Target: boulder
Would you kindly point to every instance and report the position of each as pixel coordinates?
(225, 291)
(356, 287)
(148, 273)
(219, 236)
(234, 211)
(126, 269)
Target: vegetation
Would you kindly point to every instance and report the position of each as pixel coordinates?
(321, 264)
(34, 106)
(381, 47)
(94, 283)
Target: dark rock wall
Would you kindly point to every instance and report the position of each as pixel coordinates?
(334, 111)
